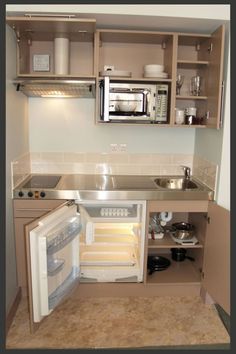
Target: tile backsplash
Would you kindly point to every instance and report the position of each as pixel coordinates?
(110, 163)
(113, 163)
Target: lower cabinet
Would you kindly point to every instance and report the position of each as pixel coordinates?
(201, 266)
(205, 268)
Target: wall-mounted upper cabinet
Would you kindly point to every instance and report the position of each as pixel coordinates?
(70, 48)
(200, 60)
(54, 47)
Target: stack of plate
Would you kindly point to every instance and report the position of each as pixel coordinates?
(154, 70)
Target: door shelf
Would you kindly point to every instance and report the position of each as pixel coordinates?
(178, 272)
(167, 242)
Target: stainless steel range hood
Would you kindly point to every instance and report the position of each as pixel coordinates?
(84, 88)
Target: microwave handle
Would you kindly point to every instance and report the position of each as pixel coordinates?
(104, 104)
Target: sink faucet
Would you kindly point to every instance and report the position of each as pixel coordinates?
(187, 171)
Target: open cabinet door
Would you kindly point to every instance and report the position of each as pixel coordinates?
(52, 248)
(216, 265)
(215, 78)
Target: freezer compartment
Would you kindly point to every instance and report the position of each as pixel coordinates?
(111, 212)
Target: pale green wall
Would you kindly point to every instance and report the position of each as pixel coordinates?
(16, 145)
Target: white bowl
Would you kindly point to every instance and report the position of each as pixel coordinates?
(126, 106)
(153, 67)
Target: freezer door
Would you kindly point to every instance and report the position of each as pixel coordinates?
(52, 244)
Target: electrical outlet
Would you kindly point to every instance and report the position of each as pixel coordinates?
(109, 67)
(123, 147)
(114, 147)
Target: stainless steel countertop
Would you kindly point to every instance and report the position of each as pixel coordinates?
(115, 187)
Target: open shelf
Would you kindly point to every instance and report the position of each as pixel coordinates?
(138, 79)
(176, 273)
(192, 64)
(178, 97)
(167, 242)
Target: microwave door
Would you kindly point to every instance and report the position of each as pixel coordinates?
(52, 248)
(105, 99)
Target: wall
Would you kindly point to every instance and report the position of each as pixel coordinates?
(68, 125)
(16, 145)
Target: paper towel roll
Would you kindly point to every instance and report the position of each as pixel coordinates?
(166, 216)
(61, 56)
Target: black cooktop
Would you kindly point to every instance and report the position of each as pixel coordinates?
(42, 182)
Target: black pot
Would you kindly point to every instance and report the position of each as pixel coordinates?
(179, 254)
(157, 263)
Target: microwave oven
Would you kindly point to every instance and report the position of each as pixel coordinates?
(133, 101)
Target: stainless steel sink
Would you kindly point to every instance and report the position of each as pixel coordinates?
(175, 183)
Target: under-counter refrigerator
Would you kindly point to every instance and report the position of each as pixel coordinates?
(83, 242)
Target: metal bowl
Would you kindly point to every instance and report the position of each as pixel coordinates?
(183, 230)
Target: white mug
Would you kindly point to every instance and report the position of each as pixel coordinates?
(179, 116)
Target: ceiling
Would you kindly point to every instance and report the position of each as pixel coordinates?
(155, 23)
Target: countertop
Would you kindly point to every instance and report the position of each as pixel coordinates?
(112, 187)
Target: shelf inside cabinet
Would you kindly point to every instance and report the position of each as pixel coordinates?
(193, 98)
(138, 79)
(192, 64)
(177, 273)
(167, 242)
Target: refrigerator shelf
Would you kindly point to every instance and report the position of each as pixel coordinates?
(122, 258)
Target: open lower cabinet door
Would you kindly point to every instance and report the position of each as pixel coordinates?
(216, 266)
(52, 248)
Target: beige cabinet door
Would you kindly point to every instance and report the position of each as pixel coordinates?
(216, 266)
(214, 80)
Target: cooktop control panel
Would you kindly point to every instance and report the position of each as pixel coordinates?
(36, 187)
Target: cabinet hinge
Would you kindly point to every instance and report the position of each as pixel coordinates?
(70, 202)
(198, 47)
(210, 48)
(208, 219)
(163, 45)
(207, 114)
(202, 274)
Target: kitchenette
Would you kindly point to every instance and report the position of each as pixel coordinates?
(117, 175)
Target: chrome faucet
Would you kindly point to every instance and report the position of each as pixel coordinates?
(187, 171)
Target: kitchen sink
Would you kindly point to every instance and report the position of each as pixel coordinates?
(176, 183)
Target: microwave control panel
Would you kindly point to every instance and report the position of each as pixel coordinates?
(161, 103)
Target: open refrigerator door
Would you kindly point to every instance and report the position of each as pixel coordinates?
(54, 259)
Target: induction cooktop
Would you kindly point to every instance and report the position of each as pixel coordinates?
(42, 182)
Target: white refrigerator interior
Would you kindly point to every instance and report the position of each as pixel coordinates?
(112, 241)
(54, 257)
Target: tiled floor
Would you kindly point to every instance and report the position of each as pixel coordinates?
(126, 322)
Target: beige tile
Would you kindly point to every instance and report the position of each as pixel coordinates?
(161, 159)
(52, 156)
(140, 159)
(128, 169)
(96, 157)
(182, 159)
(74, 157)
(118, 158)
